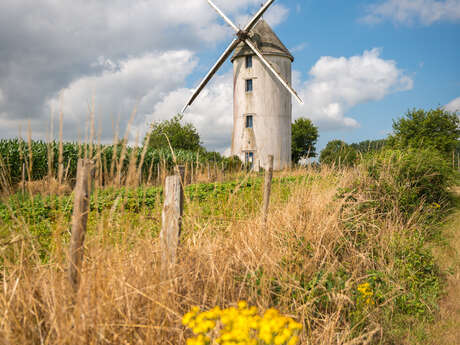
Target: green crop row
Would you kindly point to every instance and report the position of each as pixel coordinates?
(40, 157)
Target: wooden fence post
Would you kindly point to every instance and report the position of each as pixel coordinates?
(79, 219)
(267, 186)
(171, 218)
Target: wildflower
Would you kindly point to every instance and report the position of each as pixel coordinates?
(366, 293)
(241, 326)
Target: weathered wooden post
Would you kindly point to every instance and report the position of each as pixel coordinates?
(171, 218)
(267, 187)
(79, 219)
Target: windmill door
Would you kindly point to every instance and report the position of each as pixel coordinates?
(249, 159)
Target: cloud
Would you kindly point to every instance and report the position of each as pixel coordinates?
(339, 84)
(426, 12)
(50, 45)
(454, 105)
(135, 83)
(2, 97)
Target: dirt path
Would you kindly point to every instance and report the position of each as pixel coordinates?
(446, 331)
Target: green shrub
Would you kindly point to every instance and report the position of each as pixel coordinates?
(408, 178)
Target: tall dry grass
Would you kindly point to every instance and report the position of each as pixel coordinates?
(223, 258)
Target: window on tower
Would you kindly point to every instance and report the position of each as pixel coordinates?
(249, 61)
(249, 121)
(249, 86)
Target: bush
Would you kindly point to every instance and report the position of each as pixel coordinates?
(407, 178)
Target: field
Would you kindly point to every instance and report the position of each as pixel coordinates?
(345, 252)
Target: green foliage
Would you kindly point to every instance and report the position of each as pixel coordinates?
(338, 153)
(416, 268)
(404, 284)
(407, 178)
(436, 129)
(367, 146)
(181, 136)
(304, 138)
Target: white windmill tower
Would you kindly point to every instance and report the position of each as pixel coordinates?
(262, 107)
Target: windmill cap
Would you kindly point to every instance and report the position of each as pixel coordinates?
(266, 40)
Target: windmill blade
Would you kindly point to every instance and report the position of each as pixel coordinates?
(212, 71)
(222, 14)
(259, 14)
(270, 67)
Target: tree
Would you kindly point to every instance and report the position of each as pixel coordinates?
(437, 129)
(304, 138)
(369, 145)
(181, 136)
(339, 153)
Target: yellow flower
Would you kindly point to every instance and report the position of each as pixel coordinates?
(241, 326)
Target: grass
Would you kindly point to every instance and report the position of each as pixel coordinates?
(320, 246)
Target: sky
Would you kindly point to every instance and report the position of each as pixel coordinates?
(358, 65)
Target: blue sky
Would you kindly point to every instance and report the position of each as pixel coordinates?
(359, 64)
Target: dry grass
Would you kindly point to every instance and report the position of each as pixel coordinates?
(123, 298)
(48, 186)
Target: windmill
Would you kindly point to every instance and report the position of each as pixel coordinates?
(262, 103)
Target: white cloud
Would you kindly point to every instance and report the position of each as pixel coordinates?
(339, 84)
(454, 105)
(132, 83)
(409, 11)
